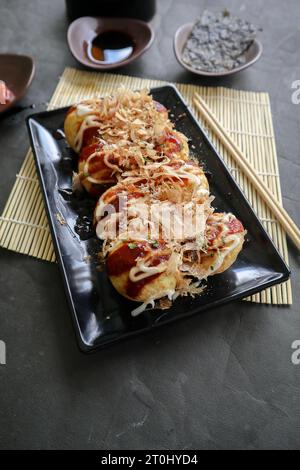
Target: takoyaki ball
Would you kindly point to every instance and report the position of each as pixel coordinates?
(176, 183)
(83, 121)
(102, 164)
(129, 267)
(76, 115)
(192, 177)
(173, 144)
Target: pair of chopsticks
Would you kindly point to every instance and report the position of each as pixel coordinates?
(279, 212)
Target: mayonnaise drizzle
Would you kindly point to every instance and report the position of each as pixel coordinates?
(235, 240)
(141, 271)
(89, 121)
(150, 303)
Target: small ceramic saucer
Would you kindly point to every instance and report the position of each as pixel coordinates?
(17, 72)
(84, 30)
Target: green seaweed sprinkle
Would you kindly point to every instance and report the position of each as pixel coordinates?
(132, 246)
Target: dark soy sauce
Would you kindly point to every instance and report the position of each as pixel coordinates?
(111, 47)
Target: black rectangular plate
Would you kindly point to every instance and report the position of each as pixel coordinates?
(101, 316)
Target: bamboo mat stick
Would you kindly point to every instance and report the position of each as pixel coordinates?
(282, 216)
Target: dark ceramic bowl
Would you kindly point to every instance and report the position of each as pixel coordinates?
(83, 30)
(17, 72)
(252, 54)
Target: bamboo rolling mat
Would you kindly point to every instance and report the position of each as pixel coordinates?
(245, 115)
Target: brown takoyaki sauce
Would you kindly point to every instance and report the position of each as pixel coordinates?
(235, 226)
(90, 136)
(123, 258)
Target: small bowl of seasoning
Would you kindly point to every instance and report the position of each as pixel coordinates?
(108, 43)
(217, 44)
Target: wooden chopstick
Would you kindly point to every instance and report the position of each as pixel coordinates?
(280, 213)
